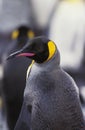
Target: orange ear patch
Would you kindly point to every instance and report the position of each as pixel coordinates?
(52, 48)
(15, 34)
(30, 34)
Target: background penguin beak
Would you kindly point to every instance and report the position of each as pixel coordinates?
(20, 53)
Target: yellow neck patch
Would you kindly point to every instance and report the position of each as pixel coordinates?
(29, 68)
(73, 1)
(15, 34)
(52, 49)
(30, 34)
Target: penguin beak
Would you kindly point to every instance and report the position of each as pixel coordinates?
(20, 53)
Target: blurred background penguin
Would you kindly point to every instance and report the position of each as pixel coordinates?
(29, 13)
(15, 14)
(67, 29)
(14, 75)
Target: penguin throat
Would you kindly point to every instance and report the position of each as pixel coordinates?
(52, 49)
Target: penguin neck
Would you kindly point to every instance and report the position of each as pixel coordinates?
(50, 64)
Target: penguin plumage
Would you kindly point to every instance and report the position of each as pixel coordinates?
(14, 72)
(51, 97)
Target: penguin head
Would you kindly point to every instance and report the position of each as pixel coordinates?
(40, 49)
(22, 34)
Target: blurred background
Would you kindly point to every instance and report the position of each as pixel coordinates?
(62, 21)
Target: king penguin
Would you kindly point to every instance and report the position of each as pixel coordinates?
(51, 98)
(14, 73)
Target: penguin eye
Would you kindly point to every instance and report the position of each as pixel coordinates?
(30, 34)
(15, 34)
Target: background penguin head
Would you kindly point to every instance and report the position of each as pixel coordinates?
(39, 49)
(22, 34)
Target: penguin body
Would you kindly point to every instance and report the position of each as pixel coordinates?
(69, 35)
(46, 99)
(51, 95)
(15, 75)
(50, 87)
